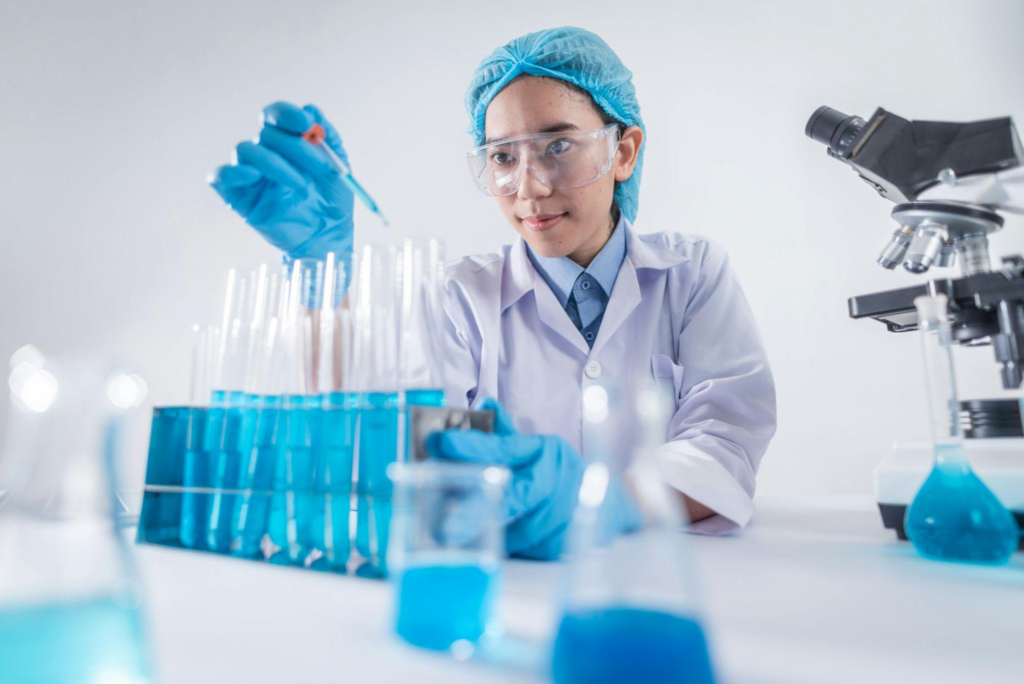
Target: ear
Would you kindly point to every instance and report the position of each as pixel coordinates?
(629, 150)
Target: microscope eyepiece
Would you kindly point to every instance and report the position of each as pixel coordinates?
(834, 129)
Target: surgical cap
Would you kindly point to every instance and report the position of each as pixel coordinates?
(574, 55)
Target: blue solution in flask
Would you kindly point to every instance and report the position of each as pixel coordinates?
(333, 479)
(378, 447)
(441, 604)
(956, 517)
(93, 640)
(626, 644)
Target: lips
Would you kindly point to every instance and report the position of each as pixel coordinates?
(541, 222)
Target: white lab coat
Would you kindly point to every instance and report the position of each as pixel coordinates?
(676, 318)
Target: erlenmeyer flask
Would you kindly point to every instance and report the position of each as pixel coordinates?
(69, 603)
(630, 600)
(954, 516)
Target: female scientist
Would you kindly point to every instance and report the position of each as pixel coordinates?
(578, 300)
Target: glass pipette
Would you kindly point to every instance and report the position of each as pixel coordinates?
(317, 136)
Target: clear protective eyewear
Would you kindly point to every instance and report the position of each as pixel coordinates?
(568, 159)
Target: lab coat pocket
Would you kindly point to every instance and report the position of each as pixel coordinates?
(669, 375)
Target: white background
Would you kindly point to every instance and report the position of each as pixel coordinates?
(112, 113)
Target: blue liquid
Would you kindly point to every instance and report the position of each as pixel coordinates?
(378, 447)
(333, 478)
(291, 510)
(223, 443)
(955, 517)
(196, 473)
(257, 476)
(82, 641)
(441, 604)
(424, 397)
(630, 645)
(160, 519)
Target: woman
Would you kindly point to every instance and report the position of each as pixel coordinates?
(579, 300)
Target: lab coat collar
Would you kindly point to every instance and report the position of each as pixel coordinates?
(519, 275)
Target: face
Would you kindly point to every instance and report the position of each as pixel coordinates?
(572, 222)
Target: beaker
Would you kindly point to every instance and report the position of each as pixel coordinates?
(446, 552)
(69, 600)
(630, 608)
(954, 516)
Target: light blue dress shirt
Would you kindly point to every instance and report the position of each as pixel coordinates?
(584, 293)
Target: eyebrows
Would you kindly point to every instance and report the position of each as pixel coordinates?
(560, 127)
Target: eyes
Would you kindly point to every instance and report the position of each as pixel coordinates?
(556, 148)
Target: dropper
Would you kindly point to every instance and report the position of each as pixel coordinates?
(316, 135)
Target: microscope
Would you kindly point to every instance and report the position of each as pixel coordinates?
(951, 183)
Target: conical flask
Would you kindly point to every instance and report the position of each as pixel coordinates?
(69, 602)
(954, 516)
(630, 611)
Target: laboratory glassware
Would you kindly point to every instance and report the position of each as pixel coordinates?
(377, 377)
(333, 451)
(630, 609)
(954, 515)
(70, 605)
(291, 506)
(316, 135)
(421, 351)
(446, 552)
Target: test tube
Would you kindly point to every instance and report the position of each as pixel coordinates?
(377, 377)
(421, 353)
(316, 135)
(333, 451)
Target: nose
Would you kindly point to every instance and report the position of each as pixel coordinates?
(531, 187)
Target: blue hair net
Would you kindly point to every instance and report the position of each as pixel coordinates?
(574, 55)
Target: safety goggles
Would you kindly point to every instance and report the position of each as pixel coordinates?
(570, 159)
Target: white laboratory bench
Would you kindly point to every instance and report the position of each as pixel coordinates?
(815, 590)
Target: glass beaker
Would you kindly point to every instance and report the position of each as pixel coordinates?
(446, 551)
(954, 516)
(630, 610)
(69, 601)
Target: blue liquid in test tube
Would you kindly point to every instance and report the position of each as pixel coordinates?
(291, 514)
(378, 447)
(195, 476)
(625, 644)
(160, 518)
(257, 477)
(334, 456)
(223, 444)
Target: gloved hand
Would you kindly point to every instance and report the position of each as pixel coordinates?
(286, 188)
(546, 475)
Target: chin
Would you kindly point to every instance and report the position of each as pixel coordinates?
(549, 247)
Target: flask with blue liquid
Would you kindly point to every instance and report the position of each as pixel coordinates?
(70, 605)
(630, 611)
(954, 516)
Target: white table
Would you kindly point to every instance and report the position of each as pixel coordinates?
(815, 590)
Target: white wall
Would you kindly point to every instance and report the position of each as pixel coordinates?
(112, 113)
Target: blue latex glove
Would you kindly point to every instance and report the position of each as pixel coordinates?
(546, 476)
(286, 188)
